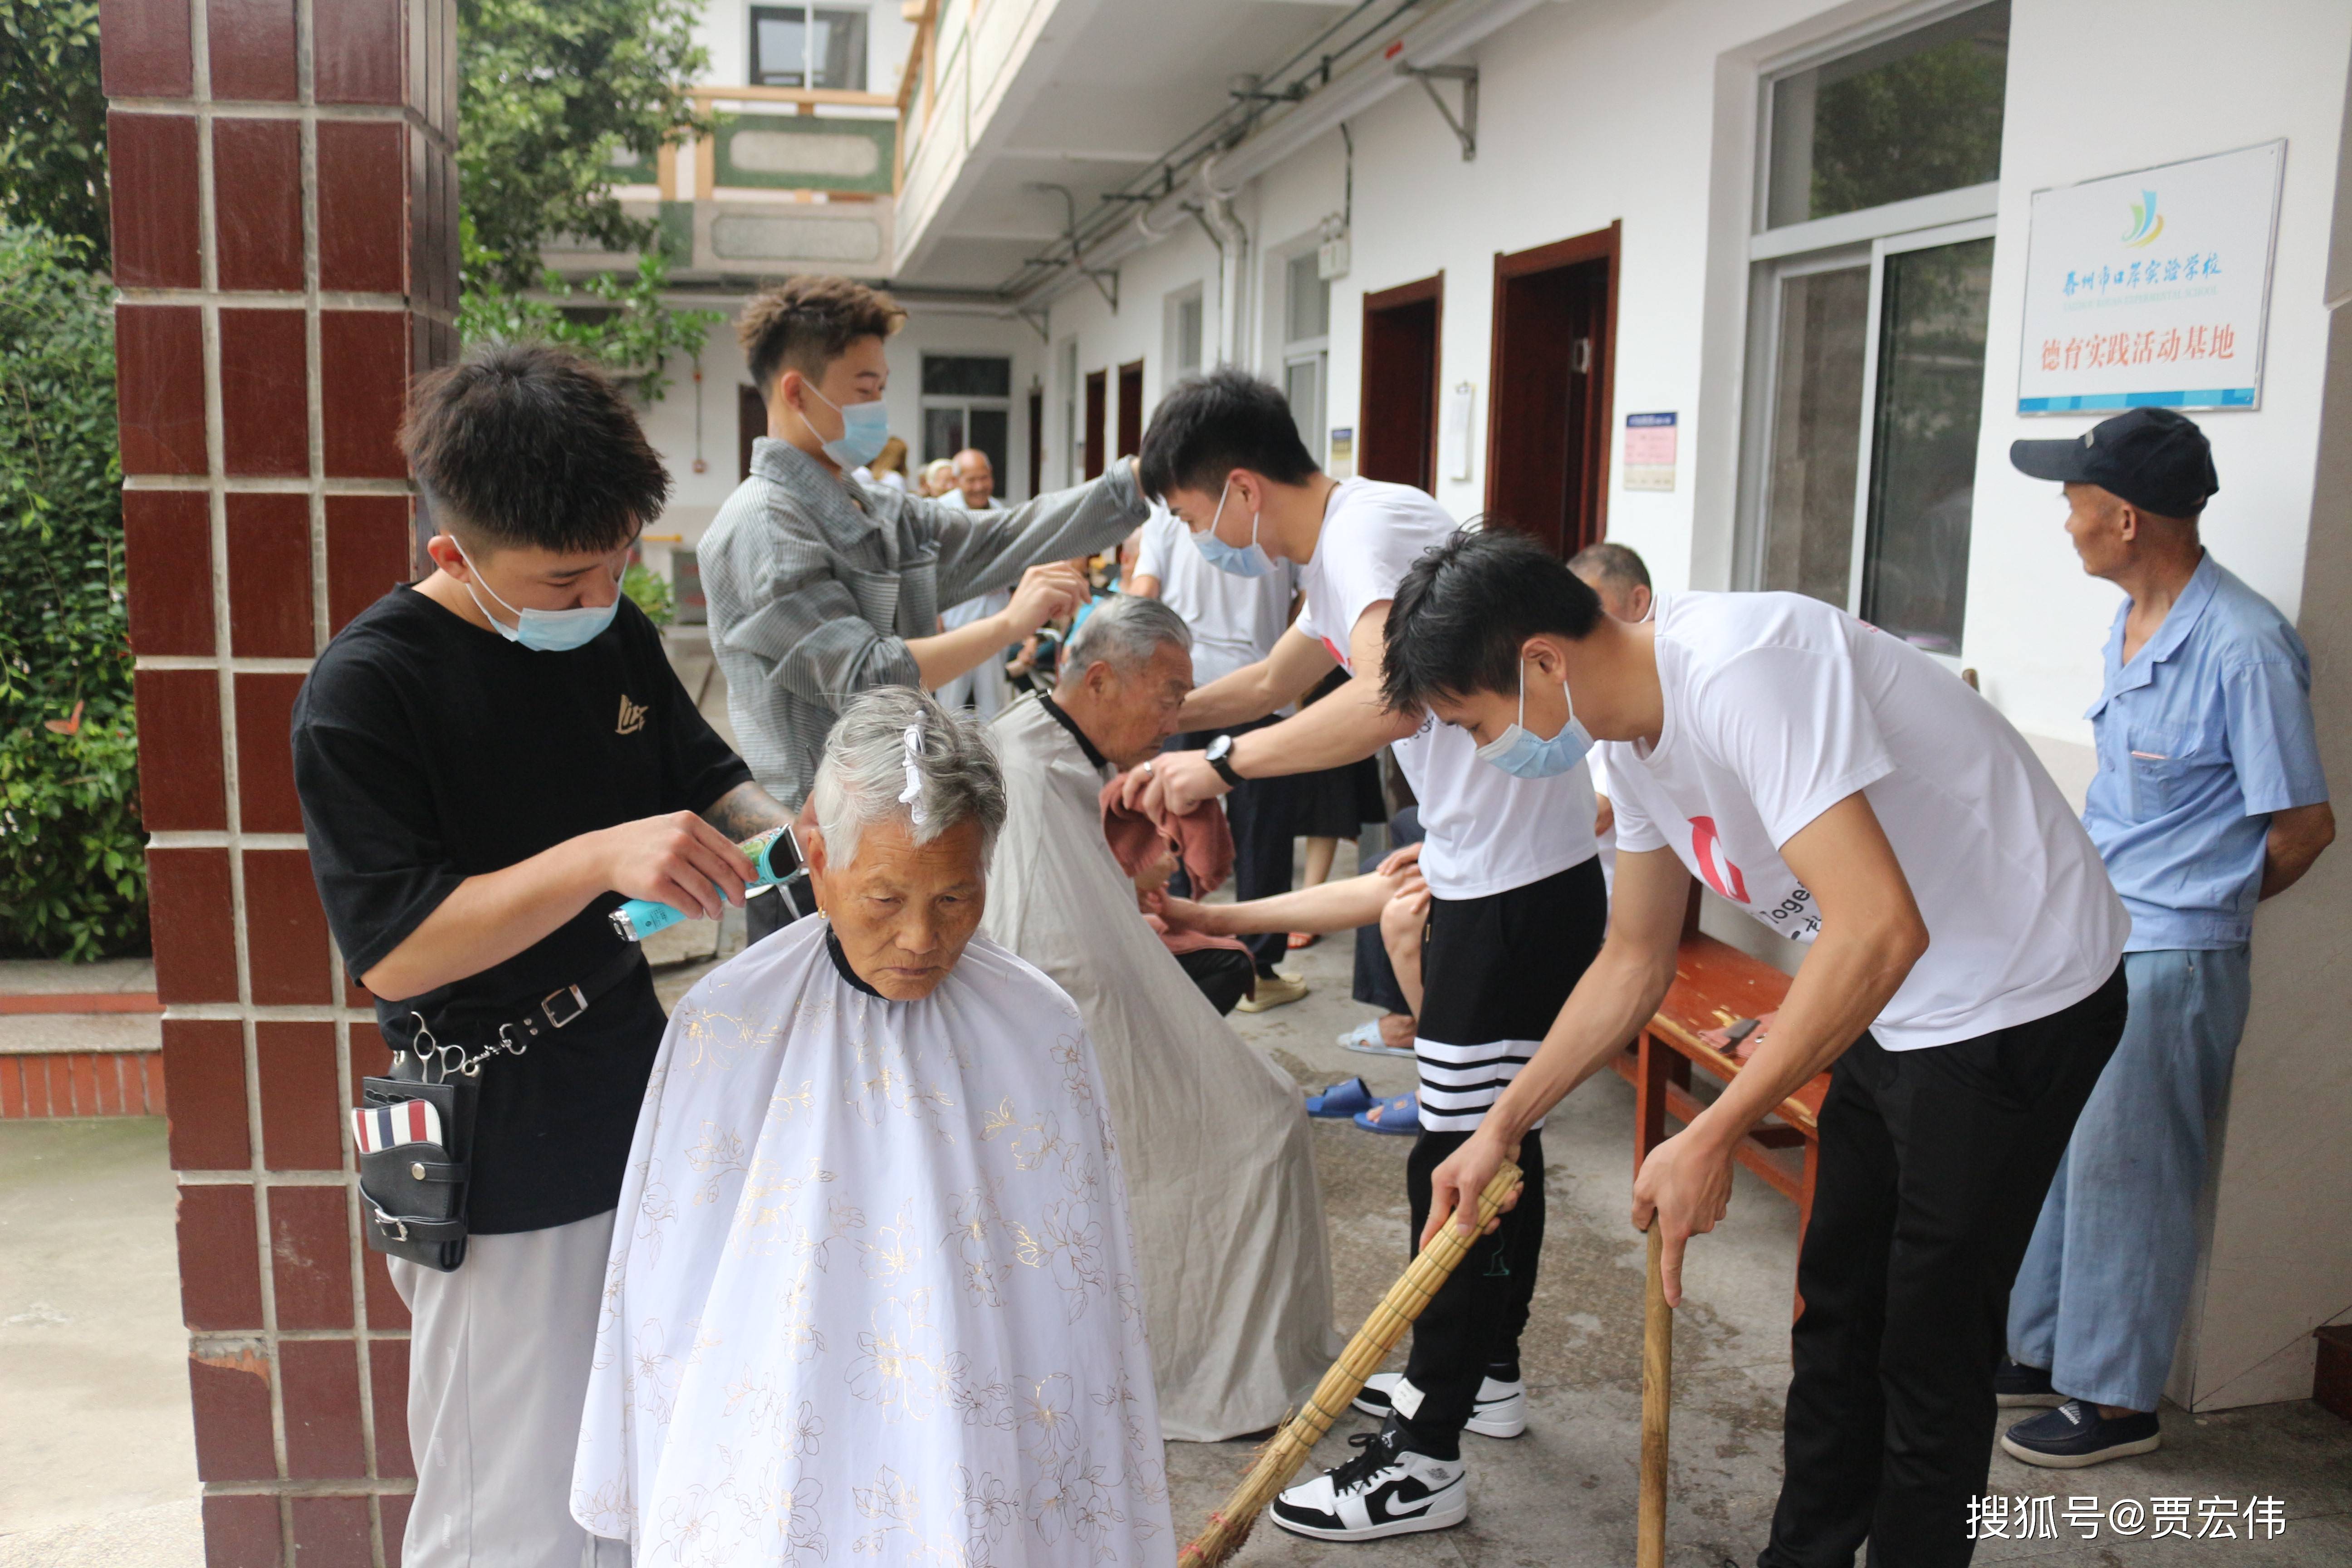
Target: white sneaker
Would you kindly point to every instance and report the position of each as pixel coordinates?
(1499, 1411)
(1386, 1490)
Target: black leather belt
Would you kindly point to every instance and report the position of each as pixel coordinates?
(559, 1009)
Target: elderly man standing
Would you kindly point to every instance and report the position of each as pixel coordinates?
(983, 688)
(820, 586)
(2208, 798)
(1228, 1218)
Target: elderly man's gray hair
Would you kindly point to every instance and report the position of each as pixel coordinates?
(896, 754)
(1125, 633)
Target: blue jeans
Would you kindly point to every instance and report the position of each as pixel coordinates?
(2105, 1281)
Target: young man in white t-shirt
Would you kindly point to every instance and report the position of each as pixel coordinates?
(1517, 907)
(1235, 622)
(1963, 975)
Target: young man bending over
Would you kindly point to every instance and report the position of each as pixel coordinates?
(1516, 911)
(1961, 973)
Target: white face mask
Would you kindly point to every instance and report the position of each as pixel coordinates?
(543, 631)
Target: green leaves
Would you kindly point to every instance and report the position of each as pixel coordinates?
(53, 121)
(549, 94)
(619, 321)
(72, 873)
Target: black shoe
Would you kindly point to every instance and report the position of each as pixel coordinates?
(1386, 1490)
(2075, 1435)
(2017, 1386)
(1499, 1411)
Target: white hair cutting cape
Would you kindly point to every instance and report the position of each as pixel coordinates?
(1212, 1135)
(871, 1294)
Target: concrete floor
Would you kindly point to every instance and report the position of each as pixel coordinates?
(96, 1469)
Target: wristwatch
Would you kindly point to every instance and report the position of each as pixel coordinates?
(1218, 751)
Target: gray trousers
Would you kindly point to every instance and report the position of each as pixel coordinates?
(2106, 1283)
(498, 1373)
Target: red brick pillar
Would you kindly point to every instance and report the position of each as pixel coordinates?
(286, 246)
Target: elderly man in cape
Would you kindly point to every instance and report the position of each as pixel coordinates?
(871, 1293)
(1228, 1218)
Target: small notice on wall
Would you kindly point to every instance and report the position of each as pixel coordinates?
(1343, 452)
(2151, 289)
(1453, 434)
(1649, 451)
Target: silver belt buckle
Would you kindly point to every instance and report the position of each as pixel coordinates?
(548, 1004)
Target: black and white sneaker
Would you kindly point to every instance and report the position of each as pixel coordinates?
(1500, 1411)
(2017, 1386)
(2075, 1435)
(1386, 1490)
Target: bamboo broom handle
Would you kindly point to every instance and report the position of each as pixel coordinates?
(1658, 1401)
(1229, 1525)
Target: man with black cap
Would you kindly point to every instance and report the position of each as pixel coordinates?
(2208, 798)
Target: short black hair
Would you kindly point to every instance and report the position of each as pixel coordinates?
(523, 445)
(1207, 426)
(805, 323)
(1464, 610)
(1609, 559)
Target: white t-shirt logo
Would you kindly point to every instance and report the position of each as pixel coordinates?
(1706, 850)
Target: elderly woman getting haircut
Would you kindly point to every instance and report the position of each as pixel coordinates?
(871, 1288)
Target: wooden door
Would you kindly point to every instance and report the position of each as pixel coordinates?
(1036, 441)
(1130, 408)
(1396, 438)
(751, 424)
(1096, 389)
(1548, 416)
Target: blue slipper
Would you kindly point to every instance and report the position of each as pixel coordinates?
(1401, 1115)
(1340, 1099)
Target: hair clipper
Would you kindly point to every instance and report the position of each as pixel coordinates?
(775, 856)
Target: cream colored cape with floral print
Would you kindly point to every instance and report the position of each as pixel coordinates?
(871, 1295)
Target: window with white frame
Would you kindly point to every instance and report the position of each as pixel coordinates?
(1182, 345)
(1306, 346)
(1870, 297)
(809, 45)
(968, 402)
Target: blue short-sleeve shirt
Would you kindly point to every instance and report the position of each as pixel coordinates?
(2200, 738)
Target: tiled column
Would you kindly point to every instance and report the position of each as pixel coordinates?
(285, 220)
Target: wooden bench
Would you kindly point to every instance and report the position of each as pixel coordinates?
(1716, 984)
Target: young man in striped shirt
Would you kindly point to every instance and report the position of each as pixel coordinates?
(1517, 909)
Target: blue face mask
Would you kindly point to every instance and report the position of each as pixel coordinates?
(543, 631)
(1523, 756)
(864, 430)
(1242, 561)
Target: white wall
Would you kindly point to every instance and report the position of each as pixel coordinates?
(2035, 623)
(1646, 113)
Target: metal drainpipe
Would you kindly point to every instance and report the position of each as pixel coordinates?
(1232, 246)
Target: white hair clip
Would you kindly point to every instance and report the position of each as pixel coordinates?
(913, 797)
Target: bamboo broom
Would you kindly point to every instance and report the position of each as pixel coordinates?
(1279, 1461)
(1657, 1402)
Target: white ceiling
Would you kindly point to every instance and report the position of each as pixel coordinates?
(1092, 109)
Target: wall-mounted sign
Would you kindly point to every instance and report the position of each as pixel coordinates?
(1649, 451)
(2152, 289)
(1343, 452)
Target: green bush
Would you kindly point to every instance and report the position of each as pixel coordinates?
(651, 590)
(73, 877)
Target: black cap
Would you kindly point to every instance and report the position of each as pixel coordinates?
(2157, 459)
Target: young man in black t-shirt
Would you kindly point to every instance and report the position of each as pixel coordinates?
(489, 759)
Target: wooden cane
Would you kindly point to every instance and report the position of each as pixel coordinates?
(1658, 1401)
(1279, 1461)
